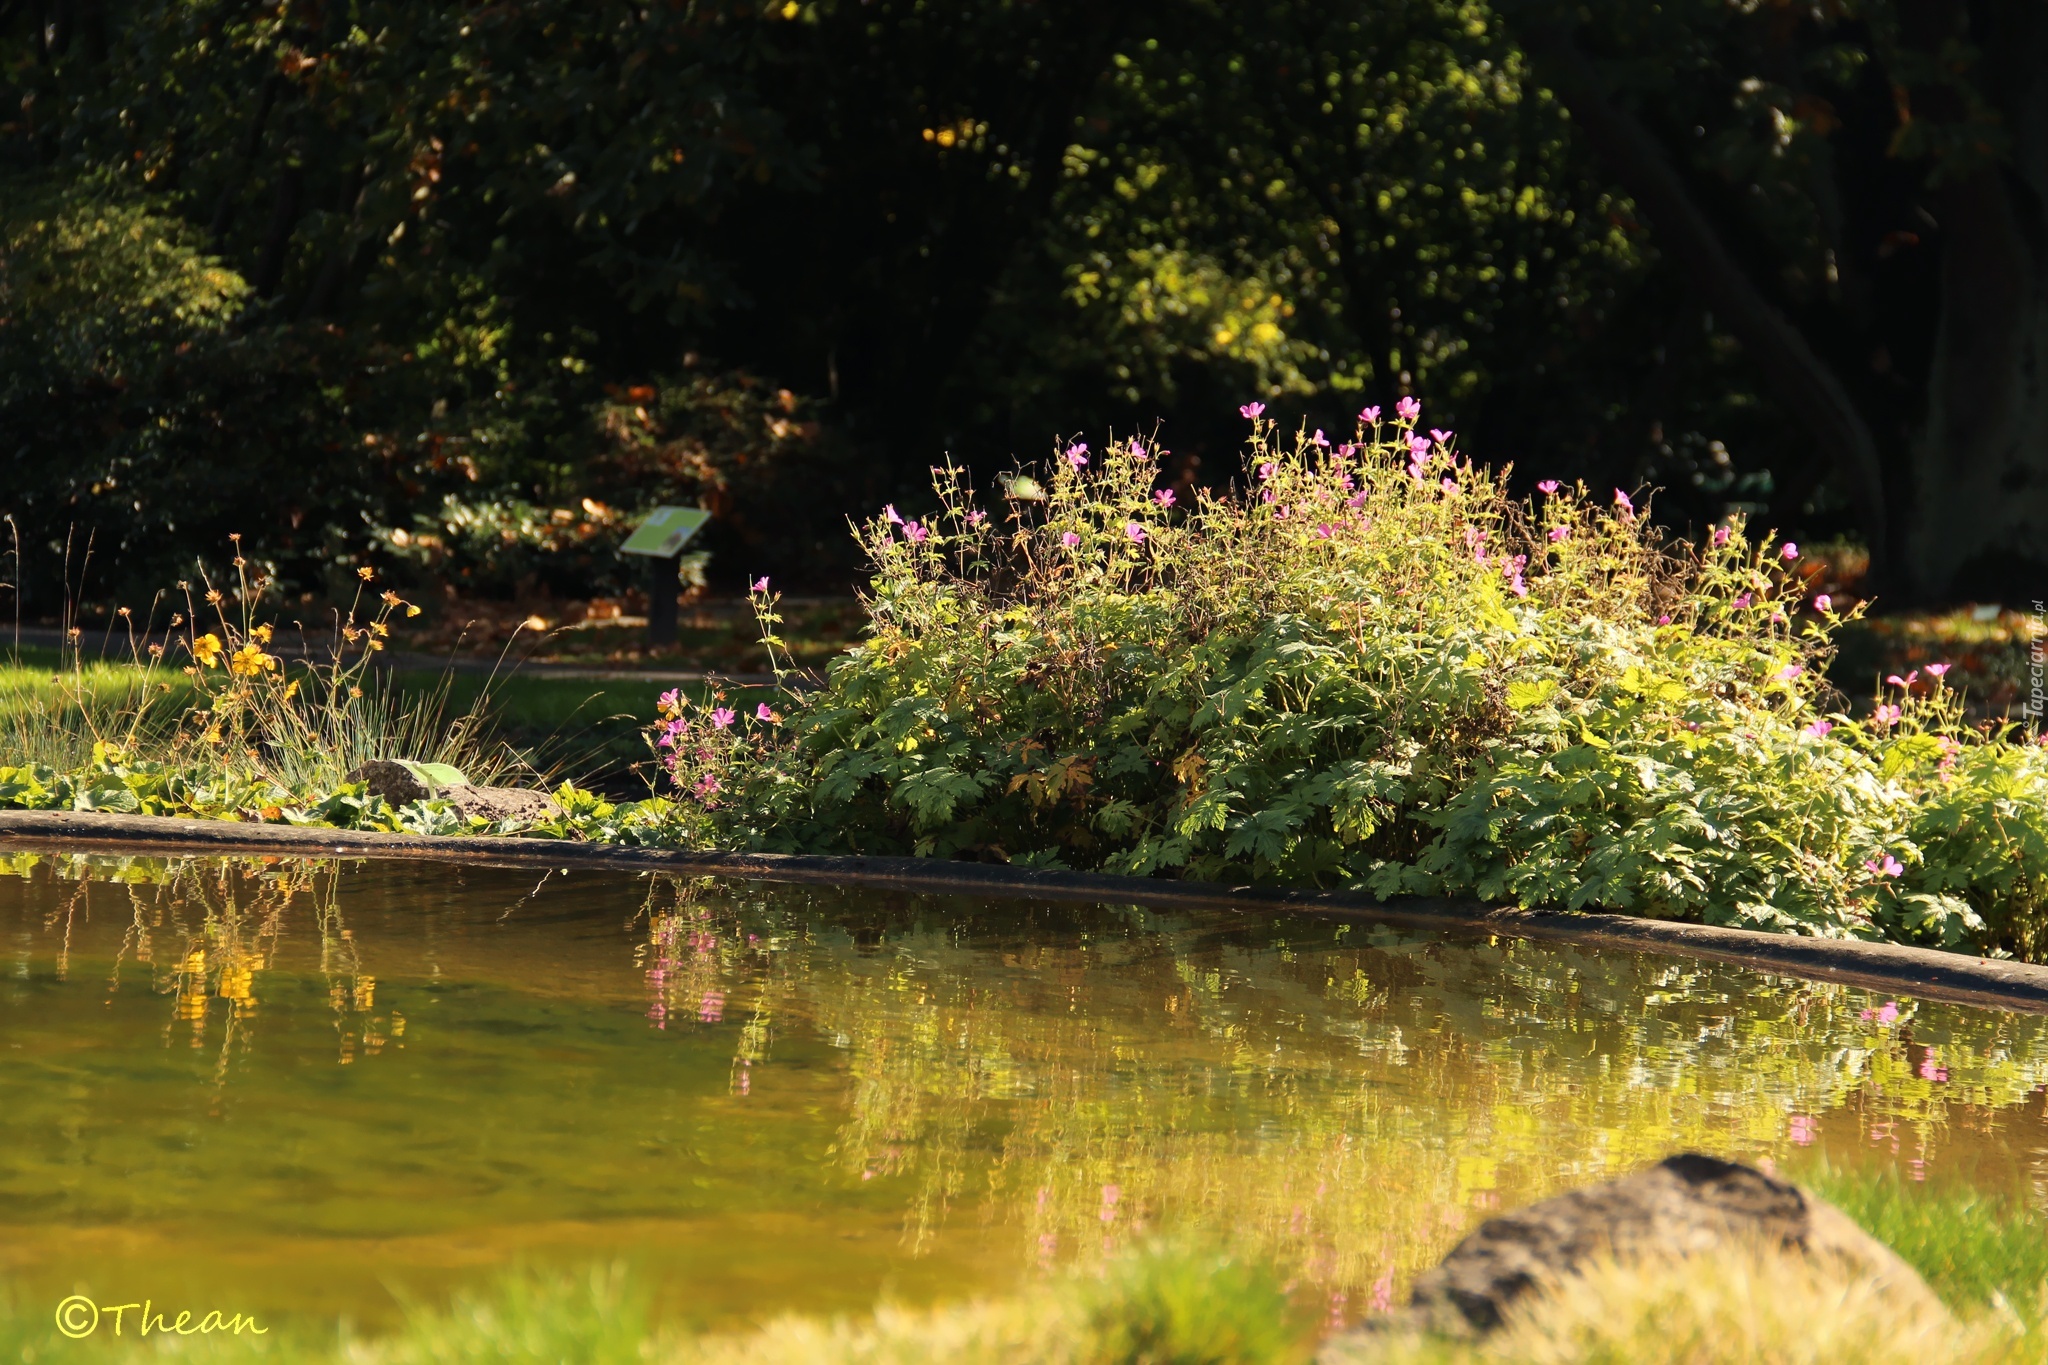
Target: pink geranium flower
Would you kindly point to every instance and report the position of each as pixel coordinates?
(1818, 730)
(1886, 716)
(1937, 670)
(1548, 486)
(1896, 681)
(1789, 672)
(1440, 436)
(765, 712)
(1558, 533)
(1135, 532)
(1069, 539)
(1622, 501)
(1721, 534)
(889, 514)
(1266, 470)
(1408, 409)
(1077, 454)
(1371, 415)
(1251, 409)
(1164, 497)
(1890, 867)
(1788, 551)
(916, 532)
(1324, 530)
(723, 717)
(1823, 603)
(761, 584)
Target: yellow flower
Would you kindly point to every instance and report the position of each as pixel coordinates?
(291, 689)
(411, 610)
(206, 649)
(364, 573)
(251, 662)
(261, 634)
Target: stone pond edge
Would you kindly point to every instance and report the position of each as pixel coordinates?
(1924, 973)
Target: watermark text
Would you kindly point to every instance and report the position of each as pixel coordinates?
(78, 1316)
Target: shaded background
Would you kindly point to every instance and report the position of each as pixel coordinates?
(457, 290)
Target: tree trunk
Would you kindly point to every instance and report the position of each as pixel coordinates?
(1977, 524)
(277, 240)
(1787, 365)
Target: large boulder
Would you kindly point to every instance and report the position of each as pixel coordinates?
(1683, 1206)
(401, 783)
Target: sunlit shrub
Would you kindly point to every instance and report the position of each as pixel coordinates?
(1370, 666)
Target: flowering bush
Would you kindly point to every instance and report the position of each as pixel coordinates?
(1370, 666)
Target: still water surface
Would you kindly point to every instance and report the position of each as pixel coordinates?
(310, 1090)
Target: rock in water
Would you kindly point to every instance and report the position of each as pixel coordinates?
(1682, 1206)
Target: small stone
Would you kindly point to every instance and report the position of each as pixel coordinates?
(399, 785)
(389, 779)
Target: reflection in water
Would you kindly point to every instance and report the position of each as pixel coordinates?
(791, 1098)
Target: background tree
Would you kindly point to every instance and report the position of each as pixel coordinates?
(1783, 260)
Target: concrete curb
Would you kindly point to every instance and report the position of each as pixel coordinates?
(1922, 972)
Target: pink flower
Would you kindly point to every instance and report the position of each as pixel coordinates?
(1448, 484)
(1621, 500)
(1357, 500)
(1559, 533)
(1416, 472)
(1408, 409)
(764, 712)
(1818, 730)
(915, 532)
(1164, 497)
(1823, 603)
(1802, 1129)
(1886, 716)
(761, 583)
(1548, 486)
(1937, 670)
(1513, 568)
(1069, 539)
(1077, 454)
(1324, 531)
(671, 699)
(1788, 551)
(723, 717)
(1664, 620)
(1896, 681)
(1742, 601)
(1137, 449)
(1788, 672)
(1417, 447)
(889, 515)
(1889, 1014)
(1319, 439)
(1890, 867)
(1371, 415)
(1721, 534)
(976, 517)
(1251, 409)
(1266, 470)
(1440, 436)
(1135, 532)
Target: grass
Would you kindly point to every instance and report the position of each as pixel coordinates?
(1181, 1306)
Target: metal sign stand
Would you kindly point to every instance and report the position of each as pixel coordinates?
(660, 539)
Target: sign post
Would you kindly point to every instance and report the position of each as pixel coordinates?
(661, 539)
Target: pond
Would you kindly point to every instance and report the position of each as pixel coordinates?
(310, 1090)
